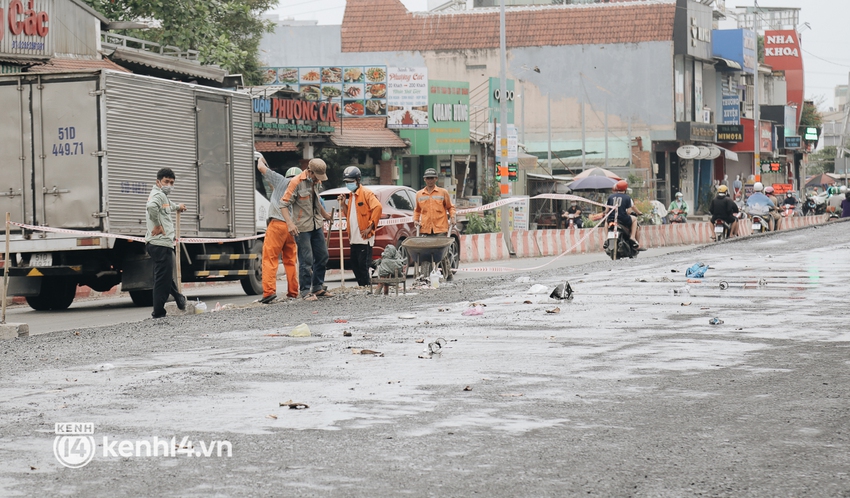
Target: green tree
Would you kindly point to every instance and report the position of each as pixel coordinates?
(225, 32)
(810, 116)
(822, 161)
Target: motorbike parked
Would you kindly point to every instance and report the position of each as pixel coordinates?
(618, 244)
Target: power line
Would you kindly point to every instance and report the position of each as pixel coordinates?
(821, 58)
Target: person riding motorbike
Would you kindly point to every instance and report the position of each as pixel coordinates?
(572, 213)
(724, 208)
(626, 213)
(774, 213)
(758, 203)
(833, 205)
(678, 210)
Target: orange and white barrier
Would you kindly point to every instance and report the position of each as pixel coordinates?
(483, 247)
(542, 243)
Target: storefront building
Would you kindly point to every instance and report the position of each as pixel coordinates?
(620, 75)
(68, 35)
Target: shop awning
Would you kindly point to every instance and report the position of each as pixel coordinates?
(527, 161)
(367, 138)
(165, 66)
(276, 146)
(730, 155)
(556, 178)
(729, 63)
(59, 64)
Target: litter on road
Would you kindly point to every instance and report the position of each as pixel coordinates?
(294, 406)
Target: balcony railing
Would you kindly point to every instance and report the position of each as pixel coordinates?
(113, 41)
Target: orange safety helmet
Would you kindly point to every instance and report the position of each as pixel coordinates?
(621, 186)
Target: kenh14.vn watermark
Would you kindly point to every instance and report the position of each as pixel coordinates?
(75, 446)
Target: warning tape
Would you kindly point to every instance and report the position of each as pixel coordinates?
(79, 233)
(504, 269)
(497, 204)
(381, 223)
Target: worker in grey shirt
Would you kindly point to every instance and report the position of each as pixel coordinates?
(159, 242)
(278, 242)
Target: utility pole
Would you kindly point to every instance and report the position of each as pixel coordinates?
(756, 127)
(606, 132)
(549, 130)
(842, 142)
(503, 119)
(583, 138)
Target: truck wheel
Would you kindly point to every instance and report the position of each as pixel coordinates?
(253, 283)
(55, 295)
(142, 298)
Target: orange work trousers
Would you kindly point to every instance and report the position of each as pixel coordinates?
(279, 242)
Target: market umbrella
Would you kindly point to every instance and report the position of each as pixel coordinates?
(820, 180)
(593, 183)
(596, 172)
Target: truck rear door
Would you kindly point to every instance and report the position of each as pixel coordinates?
(14, 151)
(215, 170)
(66, 163)
(47, 152)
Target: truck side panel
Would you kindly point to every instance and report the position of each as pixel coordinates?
(150, 124)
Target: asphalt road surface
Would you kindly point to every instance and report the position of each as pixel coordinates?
(626, 390)
(113, 310)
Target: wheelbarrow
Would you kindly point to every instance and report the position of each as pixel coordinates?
(426, 249)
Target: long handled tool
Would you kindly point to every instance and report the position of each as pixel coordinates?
(6, 262)
(341, 263)
(177, 254)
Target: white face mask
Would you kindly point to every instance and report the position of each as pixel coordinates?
(166, 189)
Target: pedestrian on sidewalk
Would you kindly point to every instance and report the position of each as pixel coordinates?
(278, 242)
(304, 216)
(159, 242)
(363, 211)
(432, 214)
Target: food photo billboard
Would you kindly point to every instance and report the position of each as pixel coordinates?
(361, 91)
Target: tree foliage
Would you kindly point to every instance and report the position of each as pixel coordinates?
(810, 116)
(225, 32)
(822, 161)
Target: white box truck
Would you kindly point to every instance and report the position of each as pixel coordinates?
(80, 151)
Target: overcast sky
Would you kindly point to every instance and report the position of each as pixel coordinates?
(826, 46)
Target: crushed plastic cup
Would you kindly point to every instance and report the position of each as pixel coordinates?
(473, 311)
(300, 331)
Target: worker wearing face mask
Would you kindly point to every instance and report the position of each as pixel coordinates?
(159, 242)
(362, 212)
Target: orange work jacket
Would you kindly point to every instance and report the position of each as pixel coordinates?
(368, 209)
(431, 209)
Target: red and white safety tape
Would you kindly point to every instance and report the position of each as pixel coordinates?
(504, 269)
(79, 233)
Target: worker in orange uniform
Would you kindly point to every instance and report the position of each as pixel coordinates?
(363, 211)
(278, 241)
(429, 216)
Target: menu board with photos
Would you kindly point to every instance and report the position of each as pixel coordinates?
(361, 91)
(408, 100)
